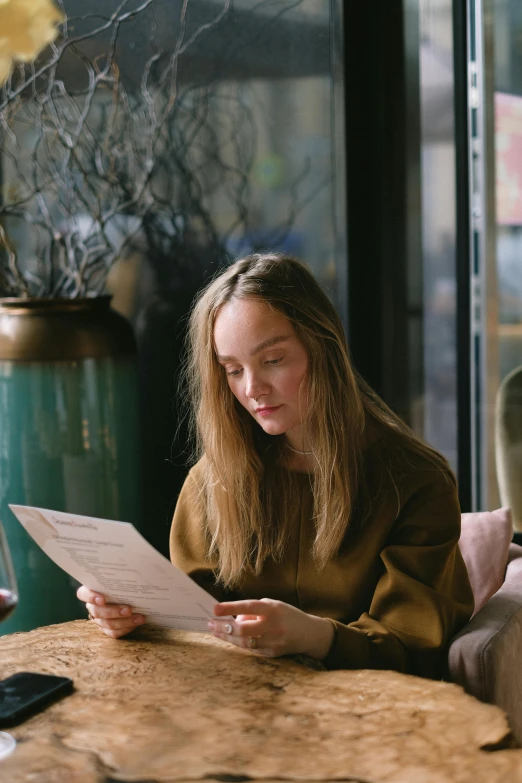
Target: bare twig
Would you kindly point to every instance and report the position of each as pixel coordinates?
(91, 171)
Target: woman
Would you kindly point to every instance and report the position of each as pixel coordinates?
(316, 518)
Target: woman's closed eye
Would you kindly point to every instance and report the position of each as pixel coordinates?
(274, 361)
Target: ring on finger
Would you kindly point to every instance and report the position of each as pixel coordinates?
(228, 628)
(252, 642)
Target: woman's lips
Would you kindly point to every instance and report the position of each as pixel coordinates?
(267, 411)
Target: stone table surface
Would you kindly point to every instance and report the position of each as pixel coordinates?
(165, 706)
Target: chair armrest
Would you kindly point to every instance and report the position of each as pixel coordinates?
(514, 553)
(485, 656)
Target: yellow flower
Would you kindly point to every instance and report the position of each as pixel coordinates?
(26, 27)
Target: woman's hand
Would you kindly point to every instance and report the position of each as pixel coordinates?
(113, 619)
(272, 628)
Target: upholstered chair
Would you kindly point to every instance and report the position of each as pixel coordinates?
(485, 657)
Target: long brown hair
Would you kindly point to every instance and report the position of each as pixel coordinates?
(247, 493)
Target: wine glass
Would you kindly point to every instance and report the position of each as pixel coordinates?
(8, 602)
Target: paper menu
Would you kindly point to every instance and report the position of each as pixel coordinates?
(112, 558)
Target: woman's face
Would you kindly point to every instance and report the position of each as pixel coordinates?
(265, 362)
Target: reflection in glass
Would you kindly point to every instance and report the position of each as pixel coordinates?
(508, 145)
(507, 68)
(193, 133)
(437, 419)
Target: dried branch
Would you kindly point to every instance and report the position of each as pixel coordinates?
(92, 170)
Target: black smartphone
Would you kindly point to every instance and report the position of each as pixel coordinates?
(25, 693)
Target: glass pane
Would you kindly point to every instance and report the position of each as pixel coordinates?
(160, 139)
(202, 129)
(508, 144)
(437, 415)
(507, 22)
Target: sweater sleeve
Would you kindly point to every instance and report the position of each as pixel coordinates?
(422, 598)
(188, 541)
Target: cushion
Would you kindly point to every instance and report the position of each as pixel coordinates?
(484, 543)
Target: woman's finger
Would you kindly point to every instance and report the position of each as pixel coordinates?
(256, 644)
(264, 652)
(247, 628)
(115, 633)
(239, 628)
(109, 611)
(261, 607)
(89, 596)
(124, 624)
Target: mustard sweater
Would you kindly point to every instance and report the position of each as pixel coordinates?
(397, 591)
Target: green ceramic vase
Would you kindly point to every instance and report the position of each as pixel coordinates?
(69, 434)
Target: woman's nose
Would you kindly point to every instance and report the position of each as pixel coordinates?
(254, 386)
